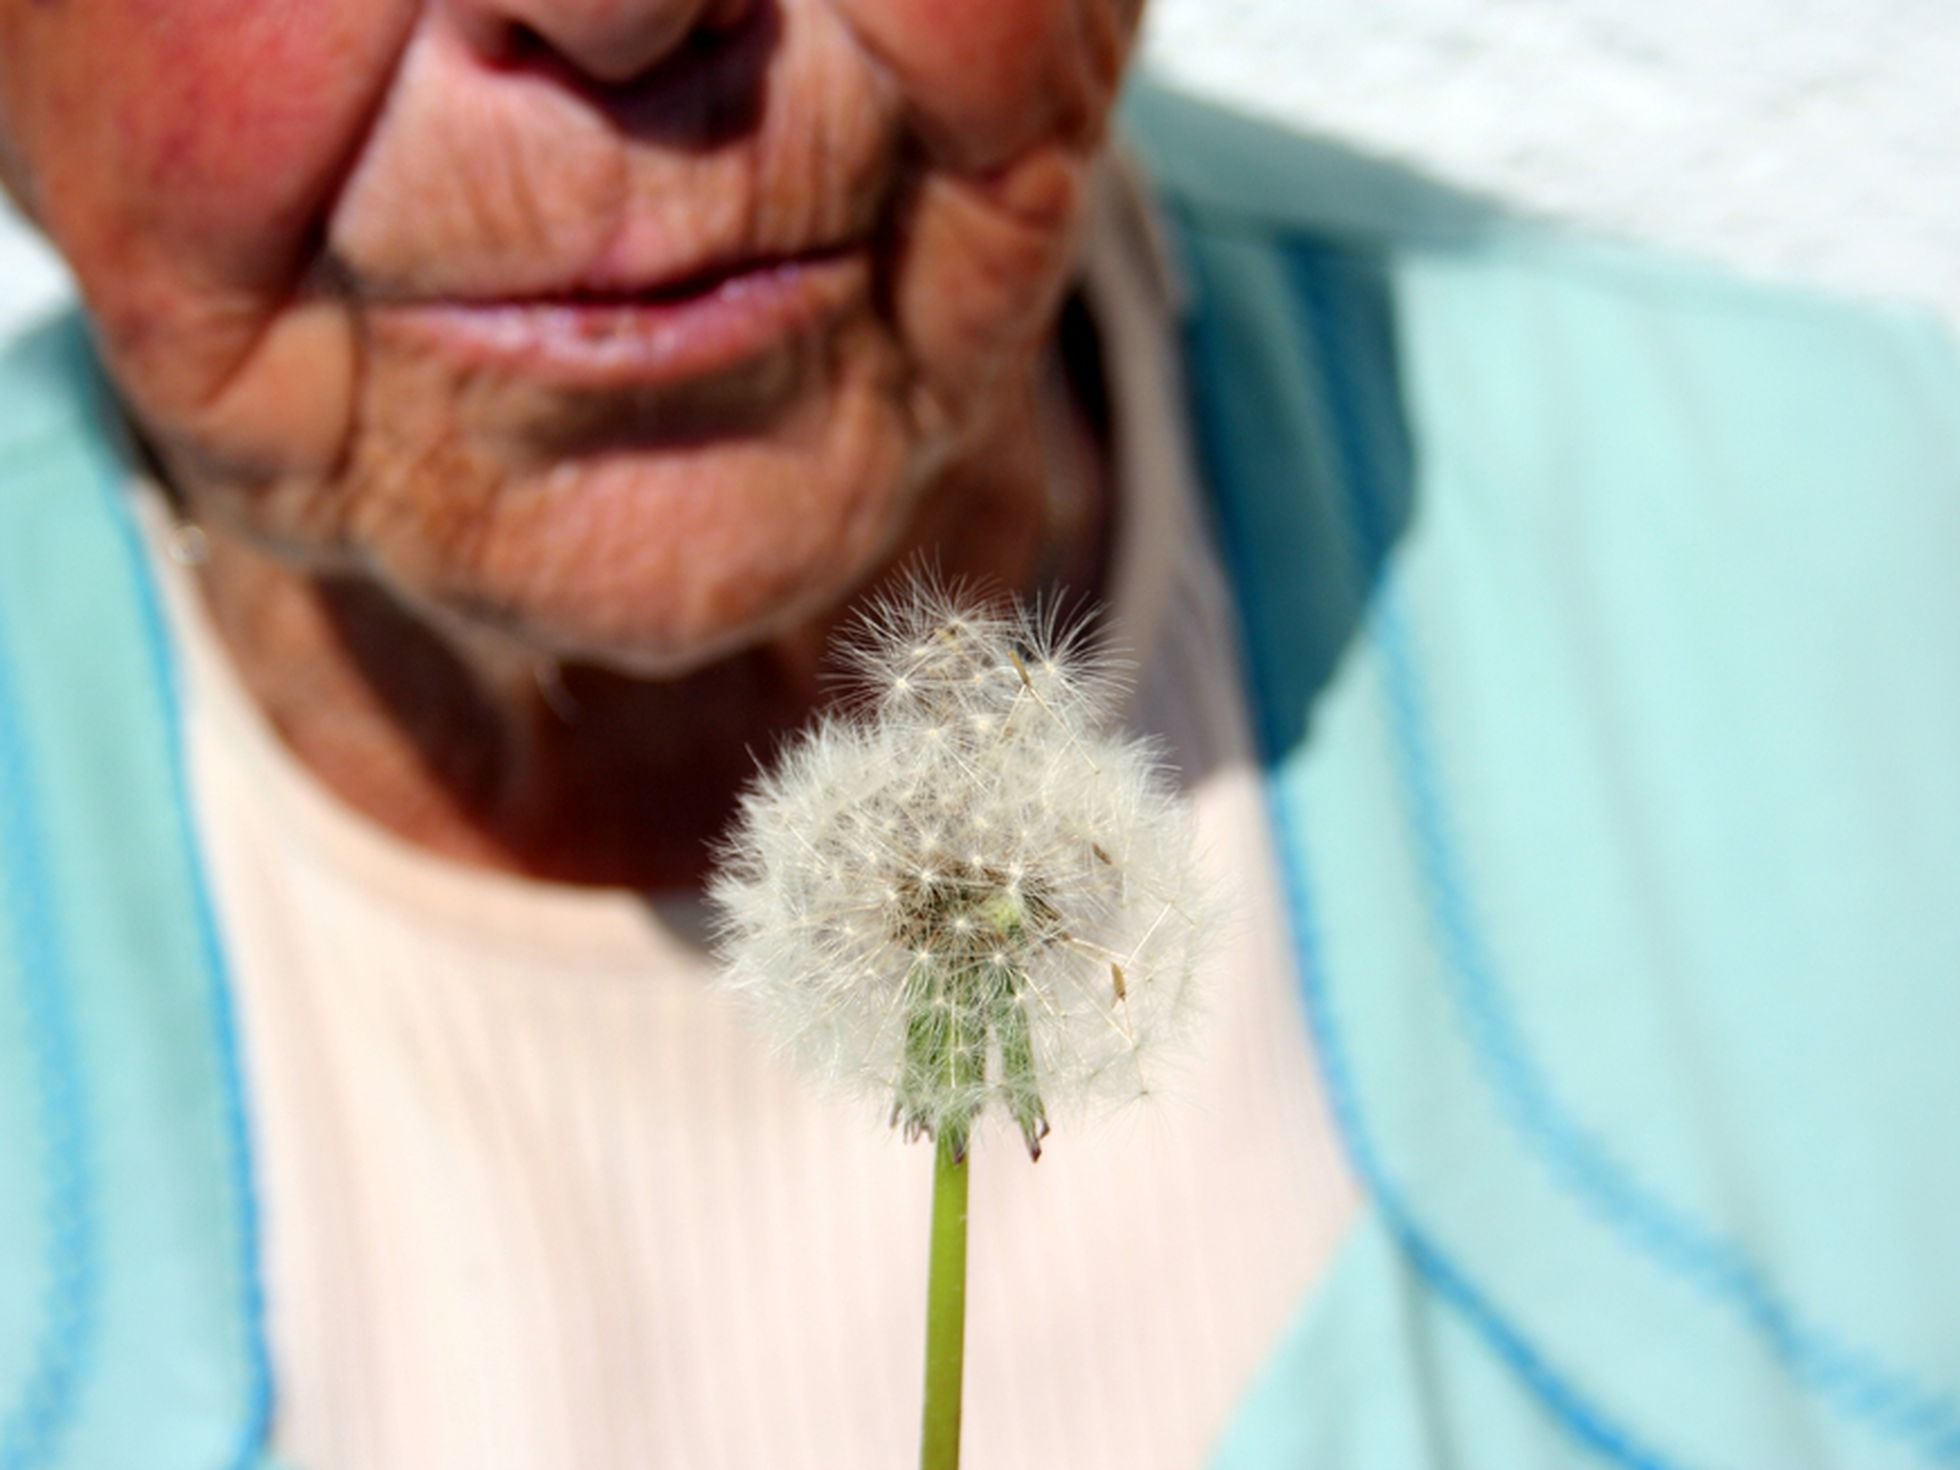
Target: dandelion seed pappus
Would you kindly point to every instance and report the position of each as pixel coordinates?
(966, 893)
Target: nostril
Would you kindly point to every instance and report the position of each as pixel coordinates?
(523, 46)
(725, 15)
(692, 72)
(604, 42)
(607, 43)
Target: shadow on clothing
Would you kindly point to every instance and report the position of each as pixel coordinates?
(1287, 244)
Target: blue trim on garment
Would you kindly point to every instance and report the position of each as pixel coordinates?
(33, 1425)
(258, 1420)
(1571, 1408)
(250, 1448)
(73, 1373)
(1850, 1380)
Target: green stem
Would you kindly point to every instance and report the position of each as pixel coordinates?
(939, 1444)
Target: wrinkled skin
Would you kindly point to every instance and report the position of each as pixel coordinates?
(259, 196)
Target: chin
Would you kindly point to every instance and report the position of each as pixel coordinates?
(651, 562)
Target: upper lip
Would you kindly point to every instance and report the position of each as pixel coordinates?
(698, 282)
(622, 285)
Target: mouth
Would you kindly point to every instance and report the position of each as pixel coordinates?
(665, 335)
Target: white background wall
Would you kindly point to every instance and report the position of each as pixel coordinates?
(1815, 140)
(1812, 140)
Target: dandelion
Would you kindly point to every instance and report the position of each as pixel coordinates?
(966, 895)
(965, 892)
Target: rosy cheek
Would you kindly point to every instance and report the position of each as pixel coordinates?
(962, 43)
(233, 120)
(181, 153)
(988, 77)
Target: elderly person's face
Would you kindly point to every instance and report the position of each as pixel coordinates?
(633, 328)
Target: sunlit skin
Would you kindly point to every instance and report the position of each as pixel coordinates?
(549, 375)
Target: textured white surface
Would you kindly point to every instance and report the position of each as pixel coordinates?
(30, 277)
(1796, 139)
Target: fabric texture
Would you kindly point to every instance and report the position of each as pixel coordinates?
(1600, 613)
(129, 1301)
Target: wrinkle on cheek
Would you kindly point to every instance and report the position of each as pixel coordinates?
(986, 263)
(285, 403)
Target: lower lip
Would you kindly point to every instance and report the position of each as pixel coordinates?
(639, 343)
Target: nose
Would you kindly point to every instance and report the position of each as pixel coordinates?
(610, 41)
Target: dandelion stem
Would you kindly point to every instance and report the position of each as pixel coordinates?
(939, 1444)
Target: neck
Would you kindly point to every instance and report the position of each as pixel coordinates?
(488, 755)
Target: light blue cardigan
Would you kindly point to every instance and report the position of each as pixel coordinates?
(1603, 622)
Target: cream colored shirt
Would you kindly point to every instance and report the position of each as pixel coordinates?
(534, 1195)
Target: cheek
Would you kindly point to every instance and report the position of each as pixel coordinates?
(239, 119)
(181, 168)
(200, 143)
(955, 39)
(987, 79)
(986, 262)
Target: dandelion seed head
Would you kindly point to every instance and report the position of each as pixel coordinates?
(924, 899)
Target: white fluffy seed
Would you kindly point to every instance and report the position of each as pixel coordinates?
(1074, 856)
